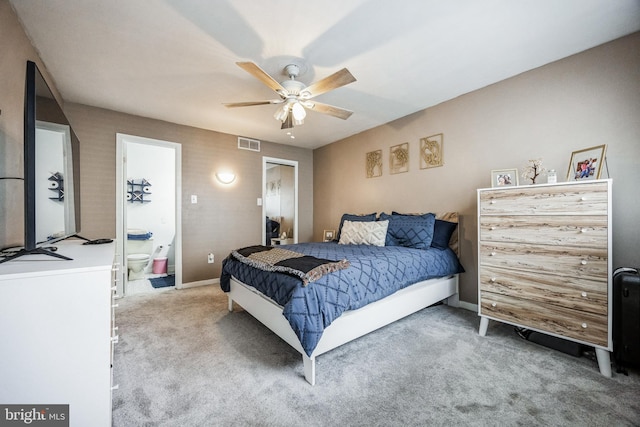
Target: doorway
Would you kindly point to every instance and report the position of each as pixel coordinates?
(148, 214)
(280, 201)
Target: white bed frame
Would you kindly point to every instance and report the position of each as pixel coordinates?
(351, 324)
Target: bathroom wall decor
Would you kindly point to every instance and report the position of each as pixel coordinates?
(57, 184)
(138, 190)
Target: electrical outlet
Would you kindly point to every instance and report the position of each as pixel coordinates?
(210, 258)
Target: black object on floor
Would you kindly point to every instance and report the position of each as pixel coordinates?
(565, 346)
(163, 282)
(626, 318)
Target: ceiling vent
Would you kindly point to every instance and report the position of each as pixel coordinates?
(248, 144)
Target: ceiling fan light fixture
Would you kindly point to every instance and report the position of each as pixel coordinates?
(281, 113)
(298, 111)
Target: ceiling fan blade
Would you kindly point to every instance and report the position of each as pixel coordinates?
(334, 81)
(338, 112)
(261, 75)
(251, 103)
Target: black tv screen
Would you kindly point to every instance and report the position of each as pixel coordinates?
(51, 170)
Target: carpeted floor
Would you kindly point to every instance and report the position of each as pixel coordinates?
(184, 360)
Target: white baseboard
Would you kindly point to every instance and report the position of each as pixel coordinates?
(200, 283)
(469, 306)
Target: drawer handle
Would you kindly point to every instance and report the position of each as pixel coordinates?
(493, 279)
(584, 295)
(115, 305)
(583, 230)
(583, 198)
(583, 262)
(493, 227)
(584, 326)
(493, 304)
(115, 387)
(115, 339)
(493, 202)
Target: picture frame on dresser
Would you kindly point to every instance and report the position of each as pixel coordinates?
(586, 164)
(504, 177)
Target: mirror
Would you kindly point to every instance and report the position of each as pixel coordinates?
(280, 203)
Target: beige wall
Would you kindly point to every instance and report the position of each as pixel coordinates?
(15, 50)
(225, 217)
(589, 99)
(578, 102)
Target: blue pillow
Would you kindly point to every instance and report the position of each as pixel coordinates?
(354, 217)
(442, 232)
(411, 231)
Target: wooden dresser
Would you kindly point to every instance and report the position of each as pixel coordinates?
(544, 261)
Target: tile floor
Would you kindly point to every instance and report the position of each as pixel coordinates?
(143, 286)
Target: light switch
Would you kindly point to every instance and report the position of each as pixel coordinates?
(194, 198)
(259, 201)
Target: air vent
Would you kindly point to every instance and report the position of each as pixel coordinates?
(248, 144)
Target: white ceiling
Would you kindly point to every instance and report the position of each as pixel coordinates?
(174, 60)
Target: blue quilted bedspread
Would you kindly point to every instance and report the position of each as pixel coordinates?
(375, 272)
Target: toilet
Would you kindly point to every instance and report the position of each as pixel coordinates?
(139, 248)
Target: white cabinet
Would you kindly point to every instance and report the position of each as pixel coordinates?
(56, 326)
(544, 261)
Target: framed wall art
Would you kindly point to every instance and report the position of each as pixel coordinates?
(399, 158)
(504, 177)
(431, 154)
(374, 164)
(586, 164)
(329, 235)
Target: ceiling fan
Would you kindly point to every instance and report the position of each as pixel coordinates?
(295, 96)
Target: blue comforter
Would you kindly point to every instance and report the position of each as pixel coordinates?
(375, 272)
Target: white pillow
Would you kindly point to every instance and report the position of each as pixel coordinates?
(364, 233)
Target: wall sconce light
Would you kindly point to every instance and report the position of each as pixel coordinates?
(225, 177)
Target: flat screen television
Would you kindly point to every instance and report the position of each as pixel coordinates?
(51, 171)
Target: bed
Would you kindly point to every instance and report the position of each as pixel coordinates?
(379, 284)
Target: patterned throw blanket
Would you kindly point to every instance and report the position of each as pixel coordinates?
(306, 267)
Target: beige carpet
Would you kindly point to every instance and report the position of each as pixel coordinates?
(184, 360)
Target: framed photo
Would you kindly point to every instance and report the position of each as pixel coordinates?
(586, 164)
(504, 177)
(329, 235)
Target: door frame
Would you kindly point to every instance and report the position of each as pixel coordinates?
(121, 213)
(283, 162)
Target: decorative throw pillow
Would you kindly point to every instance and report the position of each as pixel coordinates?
(364, 233)
(442, 232)
(411, 231)
(352, 218)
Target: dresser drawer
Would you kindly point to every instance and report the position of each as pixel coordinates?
(586, 327)
(575, 261)
(578, 293)
(579, 199)
(578, 231)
